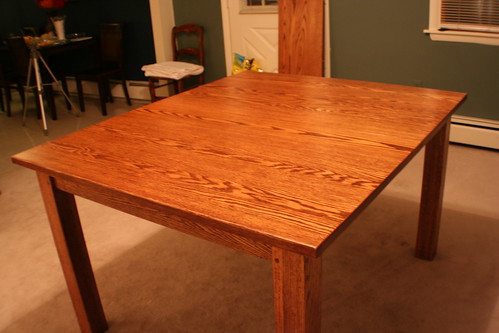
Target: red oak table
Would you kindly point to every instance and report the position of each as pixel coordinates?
(272, 165)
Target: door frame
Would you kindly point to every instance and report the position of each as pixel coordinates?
(224, 4)
(162, 20)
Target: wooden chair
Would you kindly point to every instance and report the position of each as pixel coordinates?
(110, 64)
(187, 46)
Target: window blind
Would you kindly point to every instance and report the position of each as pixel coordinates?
(470, 15)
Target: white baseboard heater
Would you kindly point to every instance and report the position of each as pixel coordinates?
(475, 131)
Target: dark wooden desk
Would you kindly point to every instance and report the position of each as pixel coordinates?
(69, 45)
(71, 56)
(268, 164)
(61, 58)
(58, 48)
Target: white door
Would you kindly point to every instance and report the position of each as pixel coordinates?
(252, 31)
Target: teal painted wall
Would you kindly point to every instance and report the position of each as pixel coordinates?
(206, 13)
(380, 40)
(383, 41)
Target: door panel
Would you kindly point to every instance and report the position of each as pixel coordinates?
(253, 35)
(256, 36)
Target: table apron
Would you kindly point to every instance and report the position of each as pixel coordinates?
(58, 49)
(161, 215)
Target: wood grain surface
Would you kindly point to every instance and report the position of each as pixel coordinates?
(301, 37)
(73, 255)
(282, 160)
(297, 292)
(432, 193)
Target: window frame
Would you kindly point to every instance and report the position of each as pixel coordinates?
(262, 9)
(438, 34)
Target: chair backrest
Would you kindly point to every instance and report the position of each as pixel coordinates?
(187, 43)
(111, 44)
(20, 55)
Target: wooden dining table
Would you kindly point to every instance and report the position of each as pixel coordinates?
(273, 165)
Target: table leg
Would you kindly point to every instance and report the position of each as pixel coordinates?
(297, 292)
(432, 194)
(72, 250)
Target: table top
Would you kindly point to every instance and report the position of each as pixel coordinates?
(283, 159)
(57, 46)
(66, 45)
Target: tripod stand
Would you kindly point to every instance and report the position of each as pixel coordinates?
(34, 66)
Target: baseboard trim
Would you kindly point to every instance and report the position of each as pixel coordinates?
(138, 90)
(475, 132)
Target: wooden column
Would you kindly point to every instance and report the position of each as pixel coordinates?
(72, 250)
(297, 292)
(432, 193)
(297, 279)
(301, 37)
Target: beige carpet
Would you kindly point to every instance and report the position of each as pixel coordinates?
(152, 279)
